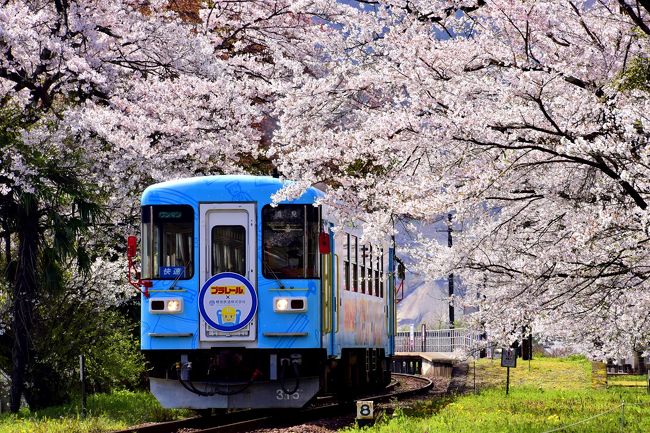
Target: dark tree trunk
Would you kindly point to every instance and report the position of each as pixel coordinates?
(24, 296)
(7, 239)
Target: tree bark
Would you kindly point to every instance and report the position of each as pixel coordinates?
(7, 240)
(24, 296)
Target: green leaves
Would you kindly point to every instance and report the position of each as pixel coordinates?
(636, 76)
(48, 196)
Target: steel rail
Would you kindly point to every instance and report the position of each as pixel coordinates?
(247, 420)
(196, 422)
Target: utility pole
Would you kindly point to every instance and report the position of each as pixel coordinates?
(450, 279)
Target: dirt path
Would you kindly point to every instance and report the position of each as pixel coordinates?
(458, 382)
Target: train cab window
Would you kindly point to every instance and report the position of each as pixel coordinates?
(229, 249)
(290, 241)
(167, 242)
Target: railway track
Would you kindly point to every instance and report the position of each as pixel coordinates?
(247, 420)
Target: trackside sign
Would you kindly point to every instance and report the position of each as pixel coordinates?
(508, 358)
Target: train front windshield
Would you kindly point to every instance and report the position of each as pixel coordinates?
(167, 236)
(290, 241)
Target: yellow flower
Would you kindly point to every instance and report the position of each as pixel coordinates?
(553, 419)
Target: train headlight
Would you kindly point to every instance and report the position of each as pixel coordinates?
(174, 305)
(281, 304)
(290, 305)
(165, 305)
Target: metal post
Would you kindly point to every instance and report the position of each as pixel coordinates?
(507, 380)
(450, 277)
(474, 377)
(483, 353)
(622, 426)
(450, 243)
(424, 337)
(82, 377)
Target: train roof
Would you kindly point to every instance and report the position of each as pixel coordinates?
(221, 188)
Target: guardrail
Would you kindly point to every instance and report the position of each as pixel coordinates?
(436, 340)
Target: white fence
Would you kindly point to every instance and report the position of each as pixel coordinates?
(437, 340)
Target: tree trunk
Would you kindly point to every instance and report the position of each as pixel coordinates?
(24, 296)
(7, 239)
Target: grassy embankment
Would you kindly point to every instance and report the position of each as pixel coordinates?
(553, 394)
(106, 412)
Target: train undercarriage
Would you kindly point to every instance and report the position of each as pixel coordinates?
(261, 378)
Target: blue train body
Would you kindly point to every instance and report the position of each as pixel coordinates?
(247, 307)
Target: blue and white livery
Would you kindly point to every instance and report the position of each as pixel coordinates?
(250, 305)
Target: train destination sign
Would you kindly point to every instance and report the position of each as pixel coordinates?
(172, 272)
(227, 302)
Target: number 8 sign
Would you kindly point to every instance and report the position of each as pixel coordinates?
(365, 410)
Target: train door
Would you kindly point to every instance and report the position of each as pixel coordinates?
(391, 315)
(228, 293)
(335, 292)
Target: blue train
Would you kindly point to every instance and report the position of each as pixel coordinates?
(250, 305)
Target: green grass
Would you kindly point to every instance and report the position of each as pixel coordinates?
(106, 412)
(554, 393)
(628, 380)
(547, 373)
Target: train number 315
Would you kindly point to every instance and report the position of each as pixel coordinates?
(281, 395)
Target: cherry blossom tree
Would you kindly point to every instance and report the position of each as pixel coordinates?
(102, 98)
(529, 121)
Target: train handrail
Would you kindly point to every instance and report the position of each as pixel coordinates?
(327, 289)
(324, 298)
(338, 294)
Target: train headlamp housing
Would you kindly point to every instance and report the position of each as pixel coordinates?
(166, 305)
(296, 304)
(281, 304)
(174, 305)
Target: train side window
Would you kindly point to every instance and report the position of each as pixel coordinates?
(290, 241)
(167, 242)
(346, 262)
(355, 264)
(376, 267)
(367, 270)
(229, 249)
(381, 274)
(367, 267)
(363, 268)
(371, 282)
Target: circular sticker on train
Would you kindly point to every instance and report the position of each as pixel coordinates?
(227, 301)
